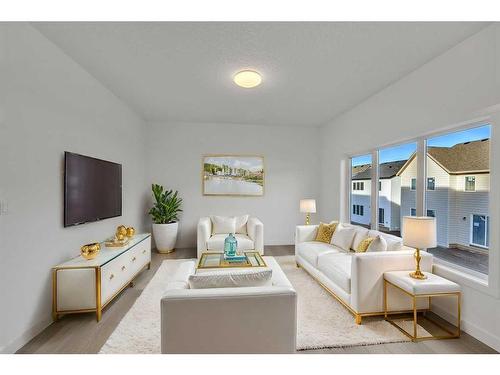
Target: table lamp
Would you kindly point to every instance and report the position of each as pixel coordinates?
(420, 233)
(308, 206)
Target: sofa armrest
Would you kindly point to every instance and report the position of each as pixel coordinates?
(254, 320)
(255, 229)
(305, 233)
(204, 232)
(367, 279)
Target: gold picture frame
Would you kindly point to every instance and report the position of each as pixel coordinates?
(245, 181)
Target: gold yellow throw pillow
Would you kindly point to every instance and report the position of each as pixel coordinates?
(325, 232)
(363, 245)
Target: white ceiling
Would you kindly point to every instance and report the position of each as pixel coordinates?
(312, 72)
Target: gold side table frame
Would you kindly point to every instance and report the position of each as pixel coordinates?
(414, 337)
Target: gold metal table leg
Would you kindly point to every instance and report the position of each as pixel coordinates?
(98, 306)
(385, 300)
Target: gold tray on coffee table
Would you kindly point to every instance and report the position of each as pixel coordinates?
(216, 260)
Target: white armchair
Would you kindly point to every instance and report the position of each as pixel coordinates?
(252, 238)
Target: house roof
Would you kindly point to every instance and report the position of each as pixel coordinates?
(462, 158)
(386, 170)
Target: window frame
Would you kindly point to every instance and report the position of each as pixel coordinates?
(433, 183)
(488, 284)
(465, 184)
(486, 231)
(416, 183)
(430, 209)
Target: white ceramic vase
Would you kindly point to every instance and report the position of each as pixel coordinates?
(165, 236)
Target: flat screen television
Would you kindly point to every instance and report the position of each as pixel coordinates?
(92, 189)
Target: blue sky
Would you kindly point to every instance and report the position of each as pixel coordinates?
(404, 151)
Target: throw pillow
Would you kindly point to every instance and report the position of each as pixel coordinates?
(231, 279)
(223, 224)
(325, 232)
(363, 245)
(361, 234)
(378, 244)
(241, 224)
(343, 237)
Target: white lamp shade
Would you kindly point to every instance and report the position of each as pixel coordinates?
(419, 232)
(308, 205)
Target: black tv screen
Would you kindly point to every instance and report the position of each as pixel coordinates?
(92, 189)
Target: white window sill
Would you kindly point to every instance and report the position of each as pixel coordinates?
(462, 276)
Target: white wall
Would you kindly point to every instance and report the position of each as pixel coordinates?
(291, 160)
(450, 89)
(48, 104)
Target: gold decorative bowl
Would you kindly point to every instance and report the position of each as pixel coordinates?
(90, 250)
(130, 232)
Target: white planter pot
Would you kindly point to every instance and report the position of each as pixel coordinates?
(165, 236)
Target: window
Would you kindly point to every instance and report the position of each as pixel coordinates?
(461, 209)
(413, 183)
(358, 186)
(357, 209)
(361, 169)
(470, 183)
(456, 188)
(396, 169)
(431, 183)
(381, 216)
(480, 227)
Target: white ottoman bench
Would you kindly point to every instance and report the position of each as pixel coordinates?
(431, 287)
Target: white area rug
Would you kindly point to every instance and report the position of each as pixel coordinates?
(322, 321)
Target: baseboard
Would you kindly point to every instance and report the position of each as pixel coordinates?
(25, 337)
(470, 328)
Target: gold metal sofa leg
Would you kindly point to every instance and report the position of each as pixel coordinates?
(358, 318)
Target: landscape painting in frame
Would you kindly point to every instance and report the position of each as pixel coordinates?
(233, 175)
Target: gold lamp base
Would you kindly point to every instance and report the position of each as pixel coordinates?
(308, 218)
(418, 274)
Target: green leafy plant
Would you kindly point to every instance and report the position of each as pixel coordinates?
(166, 207)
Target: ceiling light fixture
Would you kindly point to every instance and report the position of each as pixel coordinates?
(247, 79)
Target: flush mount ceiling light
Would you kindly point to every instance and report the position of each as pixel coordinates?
(247, 79)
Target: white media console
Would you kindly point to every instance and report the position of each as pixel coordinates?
(81, 285)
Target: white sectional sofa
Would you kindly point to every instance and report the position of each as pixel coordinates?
(229, 320)
(356, 279)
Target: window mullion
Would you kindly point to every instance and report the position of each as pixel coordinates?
(421, 176)
(374, 191)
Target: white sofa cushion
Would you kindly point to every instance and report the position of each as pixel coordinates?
(378, 244)
(241, 224)
(231, 279)
(337, 267)
(343, 237)
(393, 243)
(360, 235)
(223, 224)
(216, 242)
(310, 251)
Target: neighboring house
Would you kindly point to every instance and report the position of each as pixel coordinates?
(457, 192)
(389, 195)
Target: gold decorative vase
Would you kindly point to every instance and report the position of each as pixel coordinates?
(122, 229)
(90, 250)
(130, 232)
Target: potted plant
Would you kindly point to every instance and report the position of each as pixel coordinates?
(165, 220)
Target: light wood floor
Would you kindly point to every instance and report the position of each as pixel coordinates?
(80, 333)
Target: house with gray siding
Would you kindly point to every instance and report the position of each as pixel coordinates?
(457, 193)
